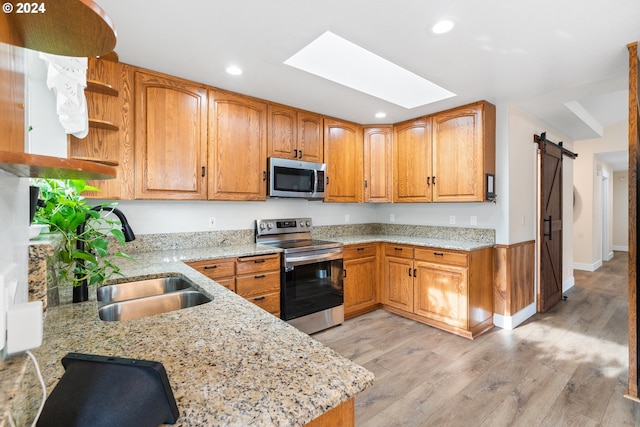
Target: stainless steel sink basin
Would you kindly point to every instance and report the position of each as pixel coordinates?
(141, 288)
(148, 306)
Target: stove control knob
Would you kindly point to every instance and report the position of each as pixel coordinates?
(269, 225)
(307, 223)
(262, 226)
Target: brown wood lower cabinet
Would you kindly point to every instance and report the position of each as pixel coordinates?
(256, 278)
(451, 290)
(222, 270)
(360, 279)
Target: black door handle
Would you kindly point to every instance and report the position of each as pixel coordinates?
(550, 234)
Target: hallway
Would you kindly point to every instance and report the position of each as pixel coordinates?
(564, 367)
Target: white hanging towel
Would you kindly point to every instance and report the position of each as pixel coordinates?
(67, 77)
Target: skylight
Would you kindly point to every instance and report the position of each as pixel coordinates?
(336, 59)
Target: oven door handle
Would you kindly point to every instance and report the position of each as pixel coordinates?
(311, 259)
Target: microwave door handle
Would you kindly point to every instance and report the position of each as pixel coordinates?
(315, 181)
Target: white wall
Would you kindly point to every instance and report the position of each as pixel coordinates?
(14, 225)
(588, 183)
(47, 136)
(620, 215)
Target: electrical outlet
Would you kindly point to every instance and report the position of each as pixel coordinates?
(452, 219)
(212, 222)
(474, 220)
(392, 218)
(346, 218)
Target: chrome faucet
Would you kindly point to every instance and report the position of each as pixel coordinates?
(81, 292)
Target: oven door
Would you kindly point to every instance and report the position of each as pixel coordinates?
(311, 287)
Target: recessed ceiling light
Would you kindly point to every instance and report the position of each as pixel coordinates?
(234, 70)
(381, 115)
(443, 26)
(336, 59)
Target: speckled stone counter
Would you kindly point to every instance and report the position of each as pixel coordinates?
(228, 361)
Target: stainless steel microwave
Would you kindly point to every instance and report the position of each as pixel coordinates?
(294, 178)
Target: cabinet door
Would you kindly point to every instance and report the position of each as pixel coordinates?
(459, 155)
(282, 127)
(360, 285)
(237, 147)
(343, 156)
(378, 149)
(171, 137)
(412, 161)
(441, 293)
(397, 288)
(311, 136)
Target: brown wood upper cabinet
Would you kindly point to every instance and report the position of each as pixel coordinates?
(171, 137)
(378, 148)
(343, 152)
(412, 161)
(463, 152)
(294, 134)
(237, 147)
(444, 157)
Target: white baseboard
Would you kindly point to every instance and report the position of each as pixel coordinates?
(568, 284)
(587, 267)
(511, 322)
(620, 248)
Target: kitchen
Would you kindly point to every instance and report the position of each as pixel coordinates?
(513, 216)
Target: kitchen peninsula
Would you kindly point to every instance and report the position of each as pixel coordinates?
(228, 361)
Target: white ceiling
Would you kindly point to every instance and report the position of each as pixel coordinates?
(537, 55)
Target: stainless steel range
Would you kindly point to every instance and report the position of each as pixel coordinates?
(311, 296)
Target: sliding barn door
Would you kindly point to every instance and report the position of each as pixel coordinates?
(550, 238)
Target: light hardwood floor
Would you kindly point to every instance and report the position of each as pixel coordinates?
(567, 367)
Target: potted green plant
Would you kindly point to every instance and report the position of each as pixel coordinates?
(84, 258)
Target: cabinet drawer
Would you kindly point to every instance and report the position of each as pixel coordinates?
(215, 268)
(268, 302)
(441, 257)
(228, 282)
(399, 251)
(255, 264)
(258, 284)
(359, 251)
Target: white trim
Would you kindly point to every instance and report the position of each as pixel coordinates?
(511, 322)
(620, 248)
(609, 256)
(568, 284)
(587, 267)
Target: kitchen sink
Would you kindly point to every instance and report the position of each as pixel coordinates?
(150, 305)
(142, 288)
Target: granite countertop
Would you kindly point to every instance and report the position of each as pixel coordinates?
(460, 245)
(228, 361)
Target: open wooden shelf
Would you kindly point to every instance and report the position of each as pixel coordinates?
(102, 124)
(99, 87)
(37, 166)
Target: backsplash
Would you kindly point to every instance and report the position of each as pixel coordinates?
(154, 242)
